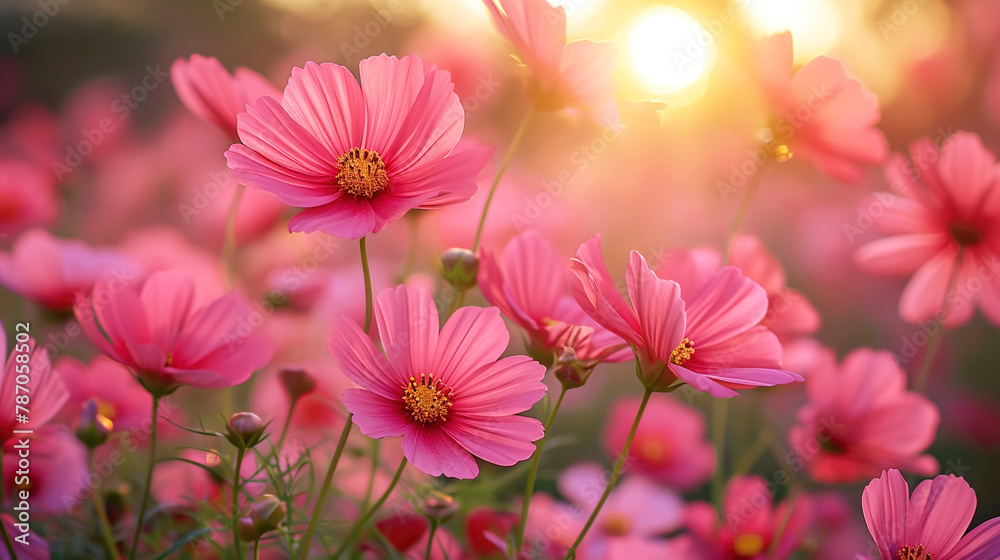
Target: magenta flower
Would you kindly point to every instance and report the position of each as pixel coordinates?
(46, 388)
(359, 157)
(929, 525)
(110, 385)
(529, 286)
(861, 419)
(214, 95)
(711, 339)
(579, 75)
(158, 329)
(58, 474)
(28, 197)
(447, 393)
(945, 230)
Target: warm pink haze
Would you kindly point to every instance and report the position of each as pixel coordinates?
(690, 339)
(168, 337)
(861, 419)
(930, 524)
(358, 157)
(943, 224)
(447, 393)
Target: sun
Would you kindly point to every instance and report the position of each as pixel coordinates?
(670, 51)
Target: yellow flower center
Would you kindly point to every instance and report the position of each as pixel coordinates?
(913, 553)
(617, 524)
(783, 153)
(427, 399)
(748, 545)
(362, 173)
(683, 352)
(652, 450)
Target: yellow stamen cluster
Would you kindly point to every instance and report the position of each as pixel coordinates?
(913, 553)
(428, 399)
(362, 173)
(783, 153)
(617, 524)
(748, 545)
(683, 352)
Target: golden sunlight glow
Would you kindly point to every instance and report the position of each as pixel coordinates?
(670, 51)
(814, 23)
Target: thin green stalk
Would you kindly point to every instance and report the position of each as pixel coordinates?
(284, 430)
(102, 515)
(307, 537)
(367, 515)
(256, 549)
(149, 480)
(719, 408)
(3, 526)
(368, 284)
(430, 539)
(229, 243)
(536, 460)
(504, 163)
(237, 479)
(615, 475)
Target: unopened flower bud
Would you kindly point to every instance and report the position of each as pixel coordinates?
(247, 529)
(266, 514)
(245, 430)
(93, 428)
(439, 507)
(459, 268)
(297, 382)
(572, 373)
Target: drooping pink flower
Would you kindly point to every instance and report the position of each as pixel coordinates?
(359, 157)
(447, 393)
(669, 445)
(27, 197)
(578, 75)
(209, 91)
(750, 523)
(110, 385)
(930, 524)
(44, 386)
(943, 218)
(160, 330)
(861, 419)
(57, 476)
(529, 286)
(710, 339)
(820, 112)
(629, 525)
(49, 270)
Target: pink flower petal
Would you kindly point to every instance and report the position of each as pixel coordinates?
(362, 362)
(377, 416)
(472, 338)
(884, 502)
(501, 440)
(326, 100)
(939, 513)
(658, 306)
(347, 217)
(434, 452)
(407, 321)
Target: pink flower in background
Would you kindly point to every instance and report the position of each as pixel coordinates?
(58, 478)
(44, 386)
(27, 197)
(669, 445)
(359, 157)
(447, 393)
(529, 286)
(930, 524)
(37, 548)
(636, 514)
(209, 91)
(486, 530)
(943, 218)
(711, 339)
(110, 385)
(160, 331)
(861, 419)
(182, 484)
(577, 75)
(50, 270)
(750, 523)
(820, 112)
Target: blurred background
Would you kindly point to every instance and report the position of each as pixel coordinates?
(66, 66)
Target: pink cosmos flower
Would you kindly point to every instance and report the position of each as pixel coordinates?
(215, 95)
(484, 527)
(27, 197)
(577, 75)
(929, 525)
(750, 523)
(861, 419)
(158, 329)
(711, 339)
(447, 393)
(944, 229)
(110, 385)
(45, 386)
(820, 113)
(359, 157)
(49, 270)
(669, 445)
(58, 479)
(530, 288)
